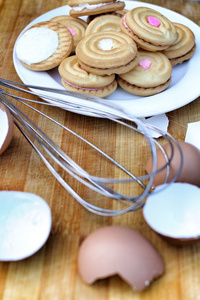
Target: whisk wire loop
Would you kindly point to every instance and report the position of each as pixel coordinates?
(105, 110)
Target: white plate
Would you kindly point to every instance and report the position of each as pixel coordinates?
(183, 89)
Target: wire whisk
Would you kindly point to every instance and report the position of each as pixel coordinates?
(49, 151)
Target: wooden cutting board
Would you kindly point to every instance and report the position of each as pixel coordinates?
(51, 273)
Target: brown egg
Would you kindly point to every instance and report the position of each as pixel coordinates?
(6, 128)
(116, 250)
(190, 172)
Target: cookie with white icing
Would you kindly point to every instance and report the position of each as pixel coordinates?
(75, 78)
(184, 46)
(94, 7)
(108, 52)
(44, 45)
(152, 75)
(150, 29)
(76, 26)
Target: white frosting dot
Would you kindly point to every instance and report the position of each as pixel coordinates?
(106, 44)
(36, 45)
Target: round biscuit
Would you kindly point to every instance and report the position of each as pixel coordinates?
(91, 2)
(148, 80)
(104, 23)
(120, 56)
(71, 71)
(64, 48)
(74, 78)
(184, 46)
(101, 93)
(108, 7)
(115, 70)
(147, 36)
(140, 91)
(119, 13)
(181, 59)
(75, 25)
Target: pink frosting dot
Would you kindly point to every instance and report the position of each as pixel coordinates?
(153, 21)
(145, 64)
(72, 31)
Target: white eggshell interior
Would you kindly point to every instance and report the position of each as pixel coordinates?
(3, 127)
(192, 134)
(25, 224)
(159, 121)
(173, 210)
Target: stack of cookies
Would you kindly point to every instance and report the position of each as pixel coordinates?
(134, 49)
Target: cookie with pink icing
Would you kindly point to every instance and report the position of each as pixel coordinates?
(75, 78)
(76, 26)
(152, 75)
(150, 29)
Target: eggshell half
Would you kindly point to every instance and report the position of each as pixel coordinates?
(6, 128)
(116, 250)
(173, 211)
(190, 172)
(25, 224)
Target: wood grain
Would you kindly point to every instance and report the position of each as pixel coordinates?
(51, 274)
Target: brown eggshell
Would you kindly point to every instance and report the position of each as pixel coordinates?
(190, 172)
(9, 123)
(116, 250)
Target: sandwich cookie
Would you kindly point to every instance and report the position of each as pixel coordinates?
(150, 30)
(119, 13)
(104, 23)
(108, 52)
(76, 26)
(151, 76)
(44, 45)
(94, 7)
(75, 78)
(184, 46)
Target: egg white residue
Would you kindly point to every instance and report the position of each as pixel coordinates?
(36, 45)
(106, 44)
(25, 222)
(3, 127)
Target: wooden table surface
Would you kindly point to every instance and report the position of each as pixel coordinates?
(51, 273)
